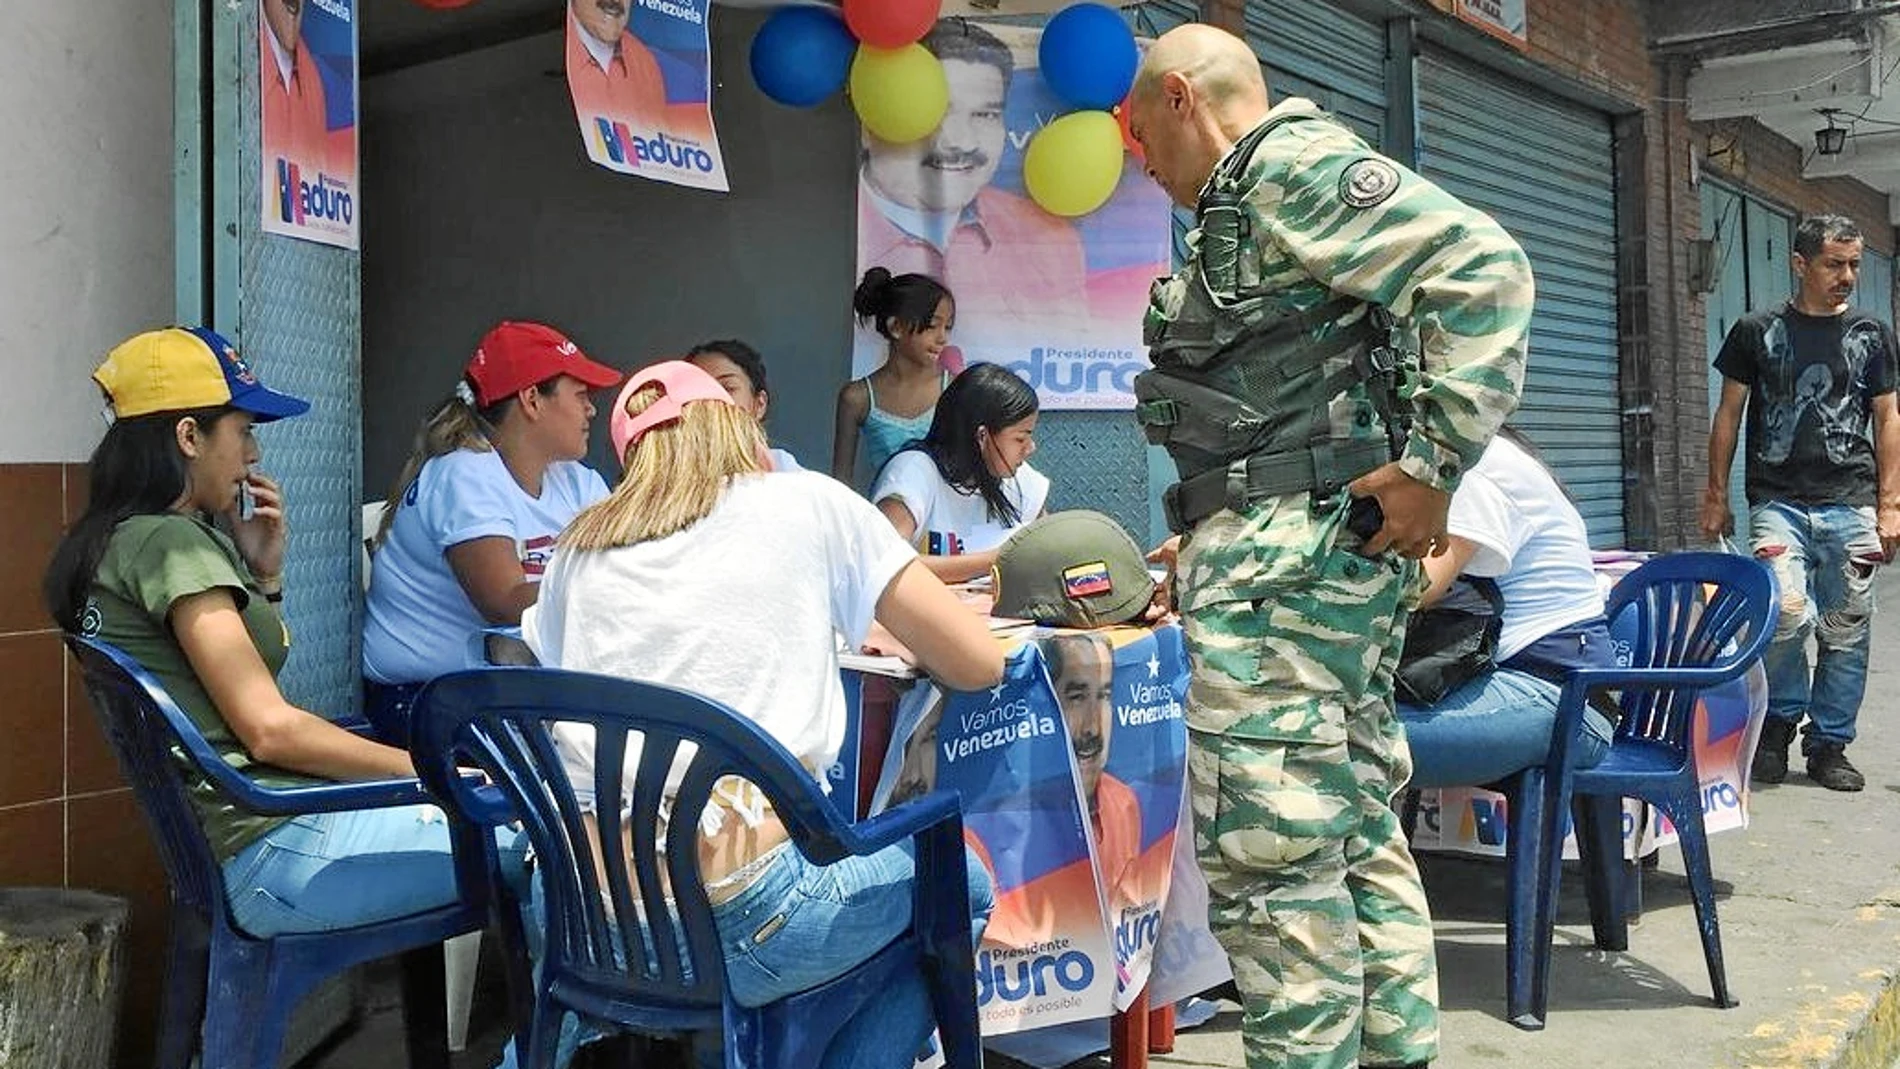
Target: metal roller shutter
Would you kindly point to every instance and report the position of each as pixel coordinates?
(1542, 167)
(1332, 58)
(1157, 17)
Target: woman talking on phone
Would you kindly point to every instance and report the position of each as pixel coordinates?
(163, 565)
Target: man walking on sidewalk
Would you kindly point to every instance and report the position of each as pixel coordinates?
(1814, 376)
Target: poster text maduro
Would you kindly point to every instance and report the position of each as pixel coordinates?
(640, 77)
(306, 72)
(1070, 773)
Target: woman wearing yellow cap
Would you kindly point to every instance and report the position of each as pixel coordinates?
(169, 564)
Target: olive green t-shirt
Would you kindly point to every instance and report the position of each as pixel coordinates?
(150, 563)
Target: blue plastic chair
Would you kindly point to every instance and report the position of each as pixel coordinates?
(666, 977)
(242, 988)
(1701, 620)
(1523, 793)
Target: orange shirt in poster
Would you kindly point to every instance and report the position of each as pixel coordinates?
(1006, 261)
(1034, 912)
(629, 89)
(1129, 877)
(295, 119)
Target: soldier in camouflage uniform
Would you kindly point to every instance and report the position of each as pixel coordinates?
(1314, 261)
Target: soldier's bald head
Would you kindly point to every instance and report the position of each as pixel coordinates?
(1197, 92)
(1220, 66)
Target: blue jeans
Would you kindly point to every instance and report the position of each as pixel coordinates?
(324, 871)
(800, 925)
(1824, 558)
(1493, 726)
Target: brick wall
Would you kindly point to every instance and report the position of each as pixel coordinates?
(67, 819)
(1747, 154)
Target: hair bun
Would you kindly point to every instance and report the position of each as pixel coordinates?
(869, 297)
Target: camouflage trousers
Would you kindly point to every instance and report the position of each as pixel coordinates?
(1294, 757)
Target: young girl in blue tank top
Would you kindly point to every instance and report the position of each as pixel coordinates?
(892, 406)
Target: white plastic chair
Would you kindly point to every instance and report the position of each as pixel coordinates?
(372, 519)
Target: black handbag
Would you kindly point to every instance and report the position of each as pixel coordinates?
(1451, 643)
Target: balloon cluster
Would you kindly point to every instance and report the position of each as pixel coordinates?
(802, 55)
(1088, 59)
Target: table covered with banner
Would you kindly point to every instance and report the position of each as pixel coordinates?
(1071, 772)
(1072, 776)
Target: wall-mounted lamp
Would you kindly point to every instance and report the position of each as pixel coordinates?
(1830, 140)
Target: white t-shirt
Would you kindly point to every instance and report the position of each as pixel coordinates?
(420, 620)
(742, 607)
(1531, 540)
(783, 461)
(951, 521)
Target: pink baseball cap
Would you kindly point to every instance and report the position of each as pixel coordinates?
(680, 383)
(515, 356)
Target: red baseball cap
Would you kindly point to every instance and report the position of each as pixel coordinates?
(514, 356)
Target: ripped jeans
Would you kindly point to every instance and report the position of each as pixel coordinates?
(1824, 558)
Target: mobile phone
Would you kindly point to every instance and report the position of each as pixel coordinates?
(247, 502)
(1365, 518)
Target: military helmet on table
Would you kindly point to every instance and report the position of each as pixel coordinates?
(1072, 569)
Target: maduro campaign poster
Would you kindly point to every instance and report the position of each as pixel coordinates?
(1122, 693)
(306, 72)
(1060, 301)
(1071, 774)
(641, 81)
(1045, 957)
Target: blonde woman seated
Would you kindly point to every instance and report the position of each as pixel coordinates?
(700, 572)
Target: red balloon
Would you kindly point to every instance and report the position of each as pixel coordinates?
(891, 23)
(1128, 134)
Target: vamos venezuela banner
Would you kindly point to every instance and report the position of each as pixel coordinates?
(1071, 777)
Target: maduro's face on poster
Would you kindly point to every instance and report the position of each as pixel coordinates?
(604, 20)
(1082, 670)
(285, 18)
(945, 171)
(918, 774)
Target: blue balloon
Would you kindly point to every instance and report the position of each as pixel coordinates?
(1089, 57)
(802, 55)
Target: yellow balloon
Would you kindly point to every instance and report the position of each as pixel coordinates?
(1074, 163)
(900, 93)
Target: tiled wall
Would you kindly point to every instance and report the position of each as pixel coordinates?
(66, 816)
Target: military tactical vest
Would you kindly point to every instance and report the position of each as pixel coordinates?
(1241, 389)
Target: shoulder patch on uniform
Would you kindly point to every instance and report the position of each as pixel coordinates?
(1368, 182)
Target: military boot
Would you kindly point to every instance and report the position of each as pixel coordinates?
(1771, 754)
(1829, 767)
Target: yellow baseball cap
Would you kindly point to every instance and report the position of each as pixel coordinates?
(181, 368)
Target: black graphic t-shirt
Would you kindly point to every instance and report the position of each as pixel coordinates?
(1811, 384)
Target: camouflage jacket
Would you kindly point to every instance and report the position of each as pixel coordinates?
(1327, 216)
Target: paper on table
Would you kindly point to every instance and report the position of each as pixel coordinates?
(879, 664)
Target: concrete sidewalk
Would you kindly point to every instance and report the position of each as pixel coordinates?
(1809, 901)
